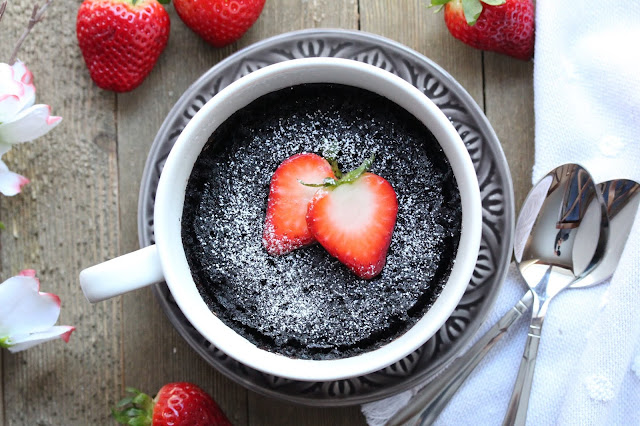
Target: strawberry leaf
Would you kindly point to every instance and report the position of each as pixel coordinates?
(472, 10)
(356, 173)
(326, 182)
(334, 167)
(494, 2)
(134, 410)
(164, 1)
(352, 176)
(438, 4)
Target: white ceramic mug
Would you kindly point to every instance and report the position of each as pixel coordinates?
(166, 260)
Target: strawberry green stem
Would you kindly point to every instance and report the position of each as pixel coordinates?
(134, 410)
(334, 167)
(471, 8)
(350, 177)
(356, 173)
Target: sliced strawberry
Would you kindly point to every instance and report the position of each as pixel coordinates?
(354, 222)
(285, 227)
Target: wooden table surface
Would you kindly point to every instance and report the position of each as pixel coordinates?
(81, 205)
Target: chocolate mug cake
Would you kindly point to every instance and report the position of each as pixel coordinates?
(306, 304)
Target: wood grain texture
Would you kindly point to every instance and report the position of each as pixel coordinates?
(509, 108)
(64, 220)
(139, 116)
(413, 23)
(149, 338)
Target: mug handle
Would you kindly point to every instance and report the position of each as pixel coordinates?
(122, 274)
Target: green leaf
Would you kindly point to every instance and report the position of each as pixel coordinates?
(139, 421)
(342, 178)
(4, 342)
(355, 174)
(438, 5)
(143, 401)
(326, 182)
(494, 2)
(124, 401)
(472, 10)
(334, 167)
(119, 416)
(164, 1)
(2, 227)
(135, 409)
(134, 412)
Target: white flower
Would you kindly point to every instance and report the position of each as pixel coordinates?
(27, 316)
(20, 120)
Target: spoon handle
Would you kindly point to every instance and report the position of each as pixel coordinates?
(519, 403)
(429, 402)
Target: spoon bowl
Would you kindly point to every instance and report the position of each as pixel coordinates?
(622, 198)
(562, 234)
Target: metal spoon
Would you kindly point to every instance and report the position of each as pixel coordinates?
(563, 230)
(622, 198)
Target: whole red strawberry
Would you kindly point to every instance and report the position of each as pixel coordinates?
(504, 26)
(219, 22)
(121, 40)
(176, 404)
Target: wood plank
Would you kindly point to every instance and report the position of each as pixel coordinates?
(416, 26)
(154, 353)
(64, 220)
(267, 412)
(139, 116)
(509, 108)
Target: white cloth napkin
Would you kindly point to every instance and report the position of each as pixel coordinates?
(587, 111)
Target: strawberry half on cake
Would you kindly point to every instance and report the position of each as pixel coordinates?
(285, 227)
(352, 215)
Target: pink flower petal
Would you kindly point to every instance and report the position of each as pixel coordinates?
(22, 73)
(24, 310)
(16, 83)
(8, 82)
(28, 125)
(10, 183)
(29, 273)
(27, 341)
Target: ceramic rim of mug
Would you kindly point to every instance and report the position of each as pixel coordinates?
(177, 169)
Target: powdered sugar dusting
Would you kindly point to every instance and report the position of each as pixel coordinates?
(306, 303)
